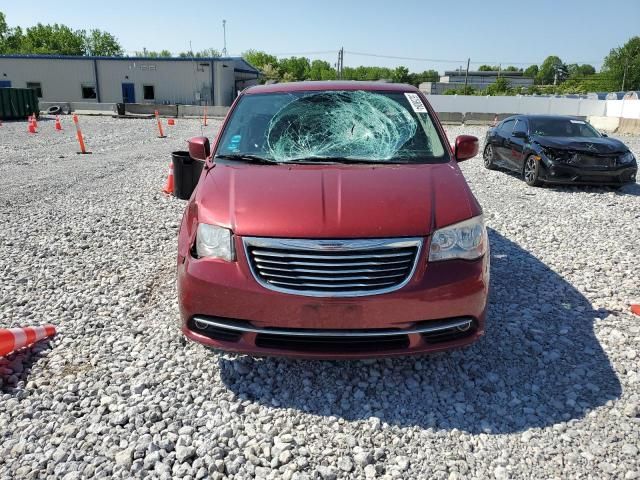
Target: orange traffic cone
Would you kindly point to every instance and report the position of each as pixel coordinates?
(635, 308)
(168, 188)
(34, 120)
(58, 124)
(170, 121)
(31, 128)
(12, 339)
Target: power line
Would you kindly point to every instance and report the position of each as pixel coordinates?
(362, 54)
(321, 52)
(444, 60)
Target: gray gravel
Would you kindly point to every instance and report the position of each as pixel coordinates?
(88, 243)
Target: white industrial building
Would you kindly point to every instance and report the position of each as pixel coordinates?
(455, 80)
(171, 80)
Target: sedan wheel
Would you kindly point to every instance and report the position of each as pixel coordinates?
(488, 157)
(531, 172)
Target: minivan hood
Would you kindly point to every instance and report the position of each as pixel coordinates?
(595, 145)
(334, 201)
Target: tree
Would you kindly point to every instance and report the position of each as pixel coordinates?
(4, 28)
(531, 71)
(52, 39)
(153, 54)
(624, 59)
(10, 38)
(321, 70)
(294, 68)
(552, 71)
(270, 72)
(427, 76)
(499, 87)
(400, 75)
(100, 43)
(584, 70)
(56, 40)
(208, 53)
(259, 59)
(488, 68)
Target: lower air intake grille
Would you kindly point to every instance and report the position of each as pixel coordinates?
(332, 344)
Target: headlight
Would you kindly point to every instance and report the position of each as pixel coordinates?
(558, 155)
(467, 240)
(214, 241)
(626, 158)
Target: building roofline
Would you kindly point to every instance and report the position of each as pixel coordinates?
(98, 57)
(484, 73)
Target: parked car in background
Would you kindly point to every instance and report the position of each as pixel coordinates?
(558, 149)
(332, 221)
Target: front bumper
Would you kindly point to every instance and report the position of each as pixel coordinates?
(266, 322)
(558, 172)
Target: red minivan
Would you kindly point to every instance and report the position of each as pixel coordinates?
(332, 220)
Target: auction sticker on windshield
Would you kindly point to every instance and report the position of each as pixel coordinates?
(416, 103)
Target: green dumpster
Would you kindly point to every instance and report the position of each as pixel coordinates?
(18, 103)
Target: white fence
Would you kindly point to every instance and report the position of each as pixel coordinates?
(623, 108)
(535, 105)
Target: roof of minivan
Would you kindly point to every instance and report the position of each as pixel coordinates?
(330, 85)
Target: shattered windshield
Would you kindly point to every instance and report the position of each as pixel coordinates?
(332, 126)
(562, 127)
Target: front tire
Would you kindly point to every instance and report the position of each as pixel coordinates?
(531, 171)
(488, 157)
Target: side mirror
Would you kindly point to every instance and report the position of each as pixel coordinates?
(466, 147)
(604, 134)
(199, 148)
(519, 134)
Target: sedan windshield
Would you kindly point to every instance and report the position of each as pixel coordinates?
(332, 127)
(562, 127)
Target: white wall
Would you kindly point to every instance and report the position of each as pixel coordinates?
(517, 104)
(61, 80)
(623, 108)
(173, 82)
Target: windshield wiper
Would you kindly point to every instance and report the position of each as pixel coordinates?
(246, 157)
(332, 160)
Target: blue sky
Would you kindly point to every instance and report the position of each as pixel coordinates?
(496, 31)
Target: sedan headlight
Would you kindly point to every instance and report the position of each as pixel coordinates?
(626, 158)
(214, 241)
(467, 240)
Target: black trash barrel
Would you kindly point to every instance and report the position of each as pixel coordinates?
(186, 173)
(120, 108)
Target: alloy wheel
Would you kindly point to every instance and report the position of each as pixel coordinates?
(530, 170)
(488, 157)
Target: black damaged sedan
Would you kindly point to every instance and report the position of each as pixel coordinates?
(557, 149)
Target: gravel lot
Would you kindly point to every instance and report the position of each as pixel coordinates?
(88, 243)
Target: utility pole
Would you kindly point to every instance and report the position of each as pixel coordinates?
(624, 75)
(340, 64)
(466, 76)
(224, 36)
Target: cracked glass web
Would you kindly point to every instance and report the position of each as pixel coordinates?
(352, 124)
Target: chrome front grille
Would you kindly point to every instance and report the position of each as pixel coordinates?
(332, 268)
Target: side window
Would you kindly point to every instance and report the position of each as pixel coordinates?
(37, 86)
(507, 127)
(521, 126)
(88, 91)
(148, 92)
